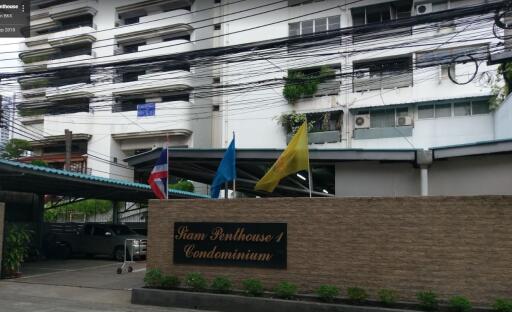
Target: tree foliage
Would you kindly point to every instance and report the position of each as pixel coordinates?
(182, 185)
(87, 207)
(15, 148)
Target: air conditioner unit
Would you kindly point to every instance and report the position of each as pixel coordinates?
(362, 122)
(423, 8)
(404, 121)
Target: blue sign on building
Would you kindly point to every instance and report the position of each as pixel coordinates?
(145, 110)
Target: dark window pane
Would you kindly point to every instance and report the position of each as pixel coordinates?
(307, 27)
(382, 118)
(443, 110)
(294, 29)
(480, 107)
(358, 18)
(462, 109)
(425, 111)
(320, 24)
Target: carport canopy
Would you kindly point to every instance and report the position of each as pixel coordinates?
(21, 177)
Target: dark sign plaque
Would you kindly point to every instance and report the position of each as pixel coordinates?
(230, 244)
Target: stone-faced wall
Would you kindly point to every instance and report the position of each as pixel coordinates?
(451, 245)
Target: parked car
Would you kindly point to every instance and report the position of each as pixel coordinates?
(65, 239)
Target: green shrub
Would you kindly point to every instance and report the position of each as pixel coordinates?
(153, 278)
(253, 287)
(286, 290)
(460, 304)
(17, 246)
(170, 282)
(356, 294)
(196, 281)
(387, 296)
(327, 293)
(502, 305)
(428, 300)
(222, 285)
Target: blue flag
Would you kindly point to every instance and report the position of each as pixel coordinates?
(226, 171)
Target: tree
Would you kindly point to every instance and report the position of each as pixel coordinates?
(15, 148)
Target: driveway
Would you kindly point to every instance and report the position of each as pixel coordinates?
(75, 285)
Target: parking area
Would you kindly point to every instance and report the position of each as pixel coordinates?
(90, 273)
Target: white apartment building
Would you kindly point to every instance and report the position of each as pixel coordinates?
(386, 88)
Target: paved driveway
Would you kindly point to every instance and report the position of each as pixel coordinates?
(74, 285)
(92, 273)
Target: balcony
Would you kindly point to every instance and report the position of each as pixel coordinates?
(171, 80)
(71, 8)
(71, 90)
(180, 16)
(81, 34)
(323, 127)
(63, 61)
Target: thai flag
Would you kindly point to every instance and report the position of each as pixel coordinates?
(158, 177)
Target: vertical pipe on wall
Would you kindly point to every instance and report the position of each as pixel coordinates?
(424, 181)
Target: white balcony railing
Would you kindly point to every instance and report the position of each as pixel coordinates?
(73, 60)
(67, 89)
(70, 33)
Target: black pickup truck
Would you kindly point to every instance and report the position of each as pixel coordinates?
(65, 239)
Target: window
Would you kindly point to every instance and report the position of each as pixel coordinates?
(383, 74)
(99, 231)
(443, 110)
(301, 2)
(216, 108)
(185, 37)
(462, 109)
(216, 79)
(314, 26)
(126, 105)
(216, 1)
(380, 13)
(132, 47)
(425, 111)
(132, 76)
(480, 107)
(216, 27)
(382, 118)
(176, 97)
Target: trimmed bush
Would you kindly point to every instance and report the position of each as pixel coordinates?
(356, 294)
(170, 282)
(196, 281)
(502, 305)
(222, 285)
(387, 296)
(253, 287)
(153, 278)
(286, 290)
(327, 293)
(428, 300)
(460, 304)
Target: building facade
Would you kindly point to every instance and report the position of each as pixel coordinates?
(418, 86)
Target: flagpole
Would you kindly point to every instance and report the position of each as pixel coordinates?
(310, 176)
(234, 170)
(168, 175)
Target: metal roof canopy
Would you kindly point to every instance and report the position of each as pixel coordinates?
(201, 165)
(21, 177)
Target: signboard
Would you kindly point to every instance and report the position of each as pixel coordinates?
(145, 110)
(230, 244)
(14, 18)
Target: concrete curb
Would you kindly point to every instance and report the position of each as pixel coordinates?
(234, 303)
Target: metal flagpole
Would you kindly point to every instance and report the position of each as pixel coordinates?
(234, 180)
(310, 180)
(168, 175)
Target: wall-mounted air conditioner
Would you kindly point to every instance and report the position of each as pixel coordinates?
(424, 8)
(404, 121)
(362, 122)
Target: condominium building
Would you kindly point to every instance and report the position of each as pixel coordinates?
(423, 84)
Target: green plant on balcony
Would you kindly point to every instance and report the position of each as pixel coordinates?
(502, 85)
(300, 84)
(292, 122)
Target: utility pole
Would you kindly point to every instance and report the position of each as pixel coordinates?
(68, 140)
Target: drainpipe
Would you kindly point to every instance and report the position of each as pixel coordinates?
(424, 160)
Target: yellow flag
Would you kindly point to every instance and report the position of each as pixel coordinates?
(293, 159)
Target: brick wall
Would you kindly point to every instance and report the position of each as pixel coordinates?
(451, 245)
